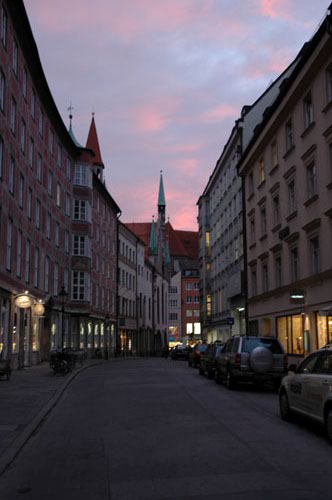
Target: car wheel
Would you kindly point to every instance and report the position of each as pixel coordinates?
(230, 382)
(328, 423)
(285, 411)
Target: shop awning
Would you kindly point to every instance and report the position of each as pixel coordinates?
(326, 311)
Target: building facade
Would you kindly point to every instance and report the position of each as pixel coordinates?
(50, 290)
(287, 169)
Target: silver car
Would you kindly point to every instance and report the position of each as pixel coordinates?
(308, 389)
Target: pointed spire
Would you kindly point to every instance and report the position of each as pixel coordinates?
(93, 143)
(161, 196)
(70, 130)
(153, 250)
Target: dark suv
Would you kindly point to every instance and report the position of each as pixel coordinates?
(251, 359)
(208, 359)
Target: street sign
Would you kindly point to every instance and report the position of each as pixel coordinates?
(230, 321)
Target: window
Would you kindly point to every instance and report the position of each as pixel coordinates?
(173, 316)
(23, 136)
(252, 230)
(56, 279)
(36, 268)
(13, 108)
(59, 155)
(41, 123)
(276, 210)
(80, 210)
(51, 142)
(265, 277)
(50, 183)
(97, 268)
(261, 171)
(189, 313)
(27, 261)
(39, 167)
(79, 285)
(98, 235)
(31, 152)
(263, 221)
(33, 104)
(274, 154)
(291, 197)
(67, 237)
(290, 333)
(314, 253)
(25, 84)
(46, 274)
(11, 180)
(294, 260)
(278, 271)
(29, 204)
(196, 286)
(68, 169)
(311, 180)
(37, 214)
(308, 110)
(81, 178)
(196, 300)
(58, 194)
(251, 183)
(1, 157)
(4, 26)
(289, 134)
(57, 234)
(15, 57)
(189, 286)
(79, 245)
(104, 239)
(21, 191)
(48, 225)
(2, 90)
(9, 245)
(68, 204)
(188, 299)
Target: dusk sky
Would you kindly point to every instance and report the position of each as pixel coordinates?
(166, 80)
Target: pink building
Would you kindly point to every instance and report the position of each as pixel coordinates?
(288, 190)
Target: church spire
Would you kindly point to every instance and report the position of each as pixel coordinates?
(93, 143)
(153, 248)
(161, 196)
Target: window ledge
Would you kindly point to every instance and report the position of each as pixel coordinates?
(327, 107)
(307, 129)
(288, 152)
(329, 186)
(250, 197)
(252, 245)
(276, 228)
(311, 200)
(261, 184)
(274, 169)
(263, 237)
(291, 216)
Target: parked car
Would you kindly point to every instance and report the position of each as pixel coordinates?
(208, 359)
(307, 389)
(180, 351)
(251, 359)
(194, 358)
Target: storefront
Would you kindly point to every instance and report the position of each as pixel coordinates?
(324, 327)
(290, 332)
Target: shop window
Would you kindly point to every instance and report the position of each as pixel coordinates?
(324, 330)
(290, 333)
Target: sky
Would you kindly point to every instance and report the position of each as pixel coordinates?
(166, 80)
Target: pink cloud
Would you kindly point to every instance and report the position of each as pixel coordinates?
(275, 8)
(220, 113)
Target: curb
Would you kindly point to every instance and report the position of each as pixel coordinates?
(16, 446)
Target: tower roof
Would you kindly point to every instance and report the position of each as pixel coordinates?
(161, 196)
(153, 249)
(71, 133)
(93, 143)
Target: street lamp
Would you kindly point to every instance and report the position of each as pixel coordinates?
(63, 294)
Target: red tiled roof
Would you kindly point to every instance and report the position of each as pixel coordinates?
(181, 243)
(93, 143)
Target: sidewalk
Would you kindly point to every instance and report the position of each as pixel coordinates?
(25, 400)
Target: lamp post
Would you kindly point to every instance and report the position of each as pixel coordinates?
(63, 294)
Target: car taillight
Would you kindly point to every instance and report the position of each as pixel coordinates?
(238, 359)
